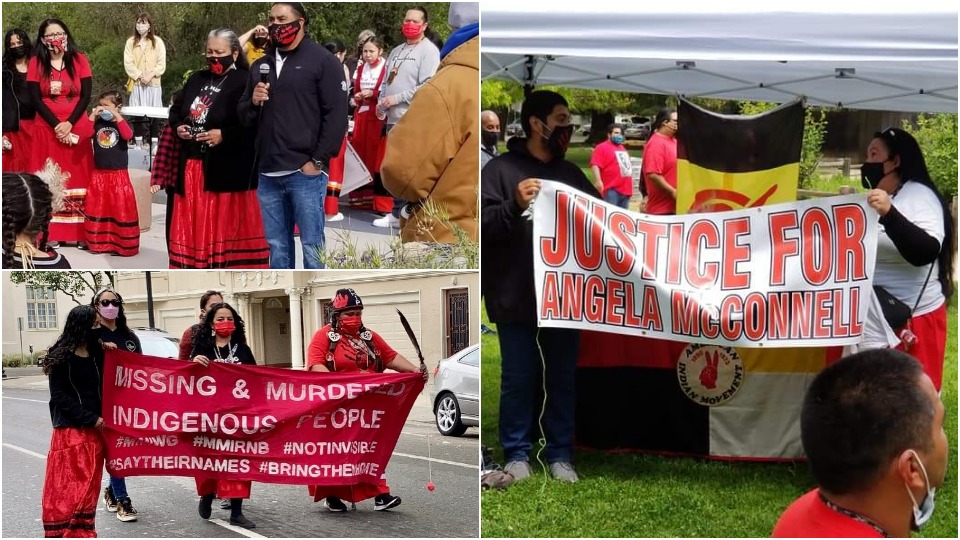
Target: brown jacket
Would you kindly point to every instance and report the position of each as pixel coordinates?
(432, 155)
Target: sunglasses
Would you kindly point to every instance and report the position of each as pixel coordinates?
(114, 303)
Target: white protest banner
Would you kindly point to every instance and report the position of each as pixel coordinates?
(786, 275)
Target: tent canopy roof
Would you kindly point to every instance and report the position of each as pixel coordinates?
(901, 58)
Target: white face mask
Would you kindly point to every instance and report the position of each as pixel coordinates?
(923, 511)
(142, 29)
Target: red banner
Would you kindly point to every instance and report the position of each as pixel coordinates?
(226, 421)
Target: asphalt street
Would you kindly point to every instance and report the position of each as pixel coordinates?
(167, 505)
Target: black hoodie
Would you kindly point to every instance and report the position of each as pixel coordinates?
(507, 236)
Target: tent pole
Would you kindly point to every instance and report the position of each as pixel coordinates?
(528, 78)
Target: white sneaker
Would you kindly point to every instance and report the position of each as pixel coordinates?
(337, 217)
(387, 221)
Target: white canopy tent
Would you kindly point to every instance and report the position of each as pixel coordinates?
(842, 53)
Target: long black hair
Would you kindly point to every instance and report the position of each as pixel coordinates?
(43, 53)
(662, 117)
(77, 331)
(913, 168)
(205, 338)
(429, 33)
(121, 314)
(27, 209)
(9, 62)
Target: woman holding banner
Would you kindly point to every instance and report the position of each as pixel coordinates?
(346, 346)
(74, 365)
(222, 338)
(914, 261)
(115, 334)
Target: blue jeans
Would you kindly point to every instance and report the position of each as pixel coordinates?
(293, 199)
(617, 198)
(522, 370)
(119, 487)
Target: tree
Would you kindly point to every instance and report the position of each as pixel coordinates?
(814, 131)
(79, 286)
(937, 135)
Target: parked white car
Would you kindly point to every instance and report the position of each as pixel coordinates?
(456, 392)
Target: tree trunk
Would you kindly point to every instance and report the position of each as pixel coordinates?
(599, 121)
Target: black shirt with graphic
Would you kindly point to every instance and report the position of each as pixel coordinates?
(109, 148)
(125, 341)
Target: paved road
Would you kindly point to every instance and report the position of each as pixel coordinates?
(168, 505)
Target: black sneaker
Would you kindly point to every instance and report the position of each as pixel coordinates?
(242, 521)
(334, 504)
(206, 506)
(125, 510)
(225, 504)
(109, 500)
(385, 502)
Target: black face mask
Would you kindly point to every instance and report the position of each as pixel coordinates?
(18, 52)
(489, 139)
(220, 64)
(559, 140)
(871, 174)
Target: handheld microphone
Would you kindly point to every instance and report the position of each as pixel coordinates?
(264, 72)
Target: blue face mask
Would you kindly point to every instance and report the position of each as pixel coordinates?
(923, 511)
(617, 139)
(106, 116)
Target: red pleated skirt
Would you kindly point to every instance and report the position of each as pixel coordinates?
(369, 144)
(71, 487)
(930, 348)
(77, 160)
(354, 493)
(216, 230)
(112, 223)
(18, 158)
(223, 489)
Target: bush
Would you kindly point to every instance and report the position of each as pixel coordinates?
(937, 135)
(17, 360)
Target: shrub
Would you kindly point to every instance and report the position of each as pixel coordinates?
(937, 135)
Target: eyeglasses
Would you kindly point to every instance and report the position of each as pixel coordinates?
(114, 303)
(56, 36)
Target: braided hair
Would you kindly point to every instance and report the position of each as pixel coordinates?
(27, 209)
(77, 331)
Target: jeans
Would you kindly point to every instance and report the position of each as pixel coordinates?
(615, 197)
(285, 201)
(522, 377)
(119, 487)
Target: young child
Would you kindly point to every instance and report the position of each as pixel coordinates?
(111, 223)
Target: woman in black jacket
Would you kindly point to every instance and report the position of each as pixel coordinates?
(18, 110)
(223, 338)
(216, 216)
(74, 365)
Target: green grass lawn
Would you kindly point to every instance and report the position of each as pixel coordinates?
(633, 495)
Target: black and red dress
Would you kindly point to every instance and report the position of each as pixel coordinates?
(368, 140)
(18, 117)
(216, 220)
(112, 222)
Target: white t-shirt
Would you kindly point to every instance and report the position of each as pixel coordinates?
(920, 205)
(369, 78)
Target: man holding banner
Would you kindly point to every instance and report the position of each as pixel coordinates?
(346, 346)
(509, 183)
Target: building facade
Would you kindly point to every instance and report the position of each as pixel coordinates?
(281, 309)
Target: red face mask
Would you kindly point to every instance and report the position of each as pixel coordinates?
(56, 44)
(224, 328)
(411, 30)
(351, 324)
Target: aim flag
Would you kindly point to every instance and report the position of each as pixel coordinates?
(729, 162)
(671, 397)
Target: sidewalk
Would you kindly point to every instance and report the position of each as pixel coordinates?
(357, 225)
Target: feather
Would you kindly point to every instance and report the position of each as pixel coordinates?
(56, 179)
(411, 335)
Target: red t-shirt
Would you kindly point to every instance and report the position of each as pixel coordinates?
(614, 164)
(660, 157)
(60, 91)
(346, 357)
(809, 517)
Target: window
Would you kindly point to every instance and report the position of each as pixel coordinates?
(41, 308)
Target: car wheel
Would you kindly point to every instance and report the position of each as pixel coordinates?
(448, 416)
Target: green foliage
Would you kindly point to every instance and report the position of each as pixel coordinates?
(497, 94)
(18, 360)
(79, 286)
(101, 29)
(636, 496)
(814, 132)
(937, 135)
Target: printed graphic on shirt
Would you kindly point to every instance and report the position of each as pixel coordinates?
(131, 346)
(107, 137)
(200, 108)
(623, 158)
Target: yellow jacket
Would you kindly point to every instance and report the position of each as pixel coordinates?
(150, 58)
(432, 156)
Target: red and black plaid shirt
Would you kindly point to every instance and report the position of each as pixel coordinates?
(167, 159)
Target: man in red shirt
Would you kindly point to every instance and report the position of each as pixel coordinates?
(872, 429)
(610, 164)
(659, 170)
